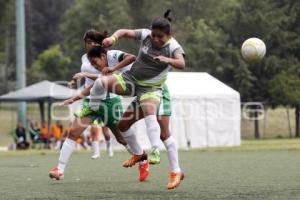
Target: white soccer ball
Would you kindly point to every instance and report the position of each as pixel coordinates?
(253, 50)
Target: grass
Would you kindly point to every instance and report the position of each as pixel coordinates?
(265, 169)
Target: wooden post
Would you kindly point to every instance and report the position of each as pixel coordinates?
(297, 113)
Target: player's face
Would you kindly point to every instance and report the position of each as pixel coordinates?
(98, 62)
(88, 43)
(159, 38)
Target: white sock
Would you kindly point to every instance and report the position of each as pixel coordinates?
(109, 147)
(172, 153)
(57, 145)
(153, 130)
(128, 149)
(108, 144)
(98, 92)
(96, 148)
(65, 153)
(131, 140)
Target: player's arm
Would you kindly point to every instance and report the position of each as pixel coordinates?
(126, 60)
(121, 33)
(83, 93)
(85, 75)
(177, 62)
(80, 75)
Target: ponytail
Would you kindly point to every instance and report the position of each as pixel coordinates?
(167, 15)
(163, 23)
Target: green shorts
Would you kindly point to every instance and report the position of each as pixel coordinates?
(108, 114)
(142, 92)
(165, 108)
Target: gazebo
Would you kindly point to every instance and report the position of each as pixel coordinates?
(41, 92)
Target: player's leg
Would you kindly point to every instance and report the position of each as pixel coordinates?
(130, 116)
(95, 133)
(108, 141)
(104, 84)
(133, 114)
(69, 146)
(164, 114)
(175, 175)
(149, 103)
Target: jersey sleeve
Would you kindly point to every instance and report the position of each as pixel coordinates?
(83, 58)
(116, 55)
(176, 48)
(141, 34)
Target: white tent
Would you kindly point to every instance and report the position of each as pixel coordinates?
(205, 112)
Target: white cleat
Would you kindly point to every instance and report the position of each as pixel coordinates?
(95, 156)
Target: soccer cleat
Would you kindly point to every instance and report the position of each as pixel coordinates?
(96, 156)
(144, 170)
(175, 179)
(56, 174)
(84, 112)
(154, 156)
(134, 159)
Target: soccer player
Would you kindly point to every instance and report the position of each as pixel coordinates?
(93, 38)
(109, 112)
(159, 52)
(164, 113)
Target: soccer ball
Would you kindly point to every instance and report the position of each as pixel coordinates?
(253, 50)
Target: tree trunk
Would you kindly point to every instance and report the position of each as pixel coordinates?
(289, 122)
(297, 112)
(256, 126)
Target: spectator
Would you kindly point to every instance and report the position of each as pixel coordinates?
(34, 132)
(20, 138)
(45, 135)
(57, 133)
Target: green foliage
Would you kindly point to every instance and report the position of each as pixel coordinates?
(83, 15)
(210, 31)
(42, 20)
(285, 89)
(51, 65)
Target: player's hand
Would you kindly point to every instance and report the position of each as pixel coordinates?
(78, 76)
(67, 102)
(162, 59)
(107, 42)
(107, 70)
(72, 83)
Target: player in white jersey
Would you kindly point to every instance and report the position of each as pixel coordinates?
(109, 113)
(90, 38)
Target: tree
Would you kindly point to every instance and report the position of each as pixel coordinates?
(285, 91)
(51, 65)
(7, 45)
(42, 23)
(100, 15)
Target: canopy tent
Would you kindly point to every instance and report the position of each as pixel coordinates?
(205, 112)
(44, 91)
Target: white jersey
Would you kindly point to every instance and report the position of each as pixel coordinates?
(113, 58)
(86, 66)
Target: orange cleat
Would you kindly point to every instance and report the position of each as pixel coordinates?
(144, 170)
(174, 180)
(135, 159)
(55, 173)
